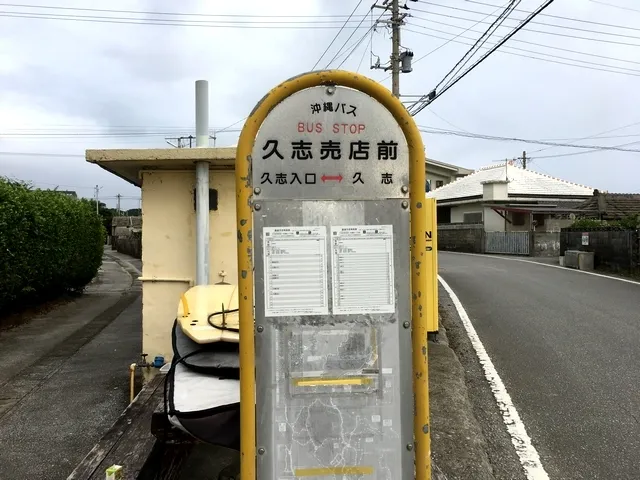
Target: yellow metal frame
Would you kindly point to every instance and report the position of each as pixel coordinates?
(419, 295)
(433, 324)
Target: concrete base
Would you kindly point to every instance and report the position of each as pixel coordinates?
(579, 260)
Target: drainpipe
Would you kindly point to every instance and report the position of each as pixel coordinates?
(202, 184)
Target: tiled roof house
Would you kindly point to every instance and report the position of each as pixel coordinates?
(505, 197)
(611, 206)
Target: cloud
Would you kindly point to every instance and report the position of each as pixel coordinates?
(73, 78)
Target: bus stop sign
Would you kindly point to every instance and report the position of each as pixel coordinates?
(330, 184)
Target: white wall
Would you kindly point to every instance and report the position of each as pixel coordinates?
(458, 211)
(433, 177)
(492, 221)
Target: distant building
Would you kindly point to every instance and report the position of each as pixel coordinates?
(70, 193)
(509, 198)
(440, 174)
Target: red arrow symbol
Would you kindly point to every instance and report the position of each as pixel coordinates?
(334, 178)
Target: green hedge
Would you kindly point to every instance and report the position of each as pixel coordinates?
(50, 243)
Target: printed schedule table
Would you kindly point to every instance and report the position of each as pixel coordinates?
(362, 269)
(295, 271)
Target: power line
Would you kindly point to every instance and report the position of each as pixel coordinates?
(548, 15)
(625, 70)
(480, 42)
(596, 135)
(173, 23)
(435, 131)
(600, 40)
(535, 58)
(353, 49)
(139, 12)
(525, 140)
(433, 95)
(42, 154)
(357, 44)
(524, 41)
(369, 45)
(349, 38)
(450, 40)
(445, 120)
(599, 137)
(581, 153)
(337, 34)
(516, 19)
(616, 6)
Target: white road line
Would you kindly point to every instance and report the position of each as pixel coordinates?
(529, 458)
(544, 265)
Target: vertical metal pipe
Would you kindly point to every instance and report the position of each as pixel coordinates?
(202, 113)
(202, 184)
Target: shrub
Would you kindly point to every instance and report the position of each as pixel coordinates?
(50, 243)
(627, 223)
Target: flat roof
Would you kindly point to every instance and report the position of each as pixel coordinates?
(128, 163)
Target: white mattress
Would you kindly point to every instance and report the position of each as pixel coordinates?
(196, 392)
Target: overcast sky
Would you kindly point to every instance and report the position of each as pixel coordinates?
(68, 85)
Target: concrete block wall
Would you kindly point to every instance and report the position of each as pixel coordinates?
(614, 250)
(135, 222)
(545, 244)
(461, 237)
(126, 235)
(128, 245)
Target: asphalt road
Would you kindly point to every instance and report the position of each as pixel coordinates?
(567, 347)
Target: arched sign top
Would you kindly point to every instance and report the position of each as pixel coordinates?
(330, 143)
(329, 78)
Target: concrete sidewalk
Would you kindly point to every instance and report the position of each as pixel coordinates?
(132, 265)
(65, 376)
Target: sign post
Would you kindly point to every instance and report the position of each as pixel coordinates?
(431, 261)
(330, 179)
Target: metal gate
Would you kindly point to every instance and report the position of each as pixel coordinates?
(510, 243)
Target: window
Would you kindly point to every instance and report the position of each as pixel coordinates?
(213, 199)
(472, 217)
(539, 219)
(518, 219)
(439, 183)
(444, 214)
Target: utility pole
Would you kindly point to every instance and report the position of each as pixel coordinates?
(397, 59)
(180, 141)
(118, 203)
(97, 189)
(395, 48)
(523, 159)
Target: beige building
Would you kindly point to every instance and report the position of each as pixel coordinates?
(440, 173)
(167, 181)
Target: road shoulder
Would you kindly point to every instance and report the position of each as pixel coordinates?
(458, 444)
(498, 448)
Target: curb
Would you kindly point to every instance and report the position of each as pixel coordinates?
(128, 267)
(123, 263)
